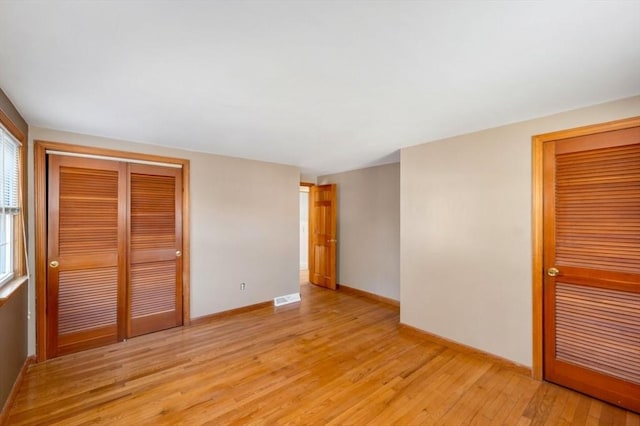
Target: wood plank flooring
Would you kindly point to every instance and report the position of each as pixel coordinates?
(332, 359)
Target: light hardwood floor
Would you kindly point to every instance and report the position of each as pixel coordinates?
(334, 358)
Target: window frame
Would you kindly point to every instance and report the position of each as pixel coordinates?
(14, 280)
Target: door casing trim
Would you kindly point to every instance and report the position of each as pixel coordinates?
(538, 141)
(40, 186)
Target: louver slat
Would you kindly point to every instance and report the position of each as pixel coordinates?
(599, 329)
(154, 288)
(88, 211)
(598, 209)
(88, 299)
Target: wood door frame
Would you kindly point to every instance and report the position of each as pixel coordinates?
(40, 184)
(537, 224)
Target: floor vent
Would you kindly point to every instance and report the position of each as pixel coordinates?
(285, 300)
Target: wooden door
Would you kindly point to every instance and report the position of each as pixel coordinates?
(322, 233)
(155, 249)
(86, 249)
(592, 265)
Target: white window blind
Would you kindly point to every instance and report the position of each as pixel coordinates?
(9, 201)
(9, 173)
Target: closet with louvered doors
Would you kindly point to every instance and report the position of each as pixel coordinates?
(114, 242)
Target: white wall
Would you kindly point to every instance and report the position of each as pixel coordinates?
(369, 229)
(466, 232)
(244, 225)
(304, 228)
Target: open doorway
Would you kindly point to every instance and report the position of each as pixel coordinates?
(304, 233)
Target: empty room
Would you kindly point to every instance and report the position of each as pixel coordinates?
(365, 212)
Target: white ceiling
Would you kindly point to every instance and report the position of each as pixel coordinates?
(324, 85)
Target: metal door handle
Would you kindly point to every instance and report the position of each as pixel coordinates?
(553, 272)
(54, 264)
(178, 253)
(332, 241)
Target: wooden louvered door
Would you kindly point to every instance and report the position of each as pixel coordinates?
(114, 251)
(155, 249)
(592, 265)
(86, 248)
(322, 230)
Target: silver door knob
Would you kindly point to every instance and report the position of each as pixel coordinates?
(178, 253)
(54, 264)
(553, 272)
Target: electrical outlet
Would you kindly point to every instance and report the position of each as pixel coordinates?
(243, 286)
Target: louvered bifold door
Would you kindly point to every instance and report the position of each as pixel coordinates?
(592, 265)
(86, 248)
(155, 248)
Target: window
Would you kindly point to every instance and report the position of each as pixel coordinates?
(9, 203)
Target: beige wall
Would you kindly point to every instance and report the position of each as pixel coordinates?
(244, 225)
(369, 229)
(13, 340)
(13, 314)
(466, 231)
(307, 178)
